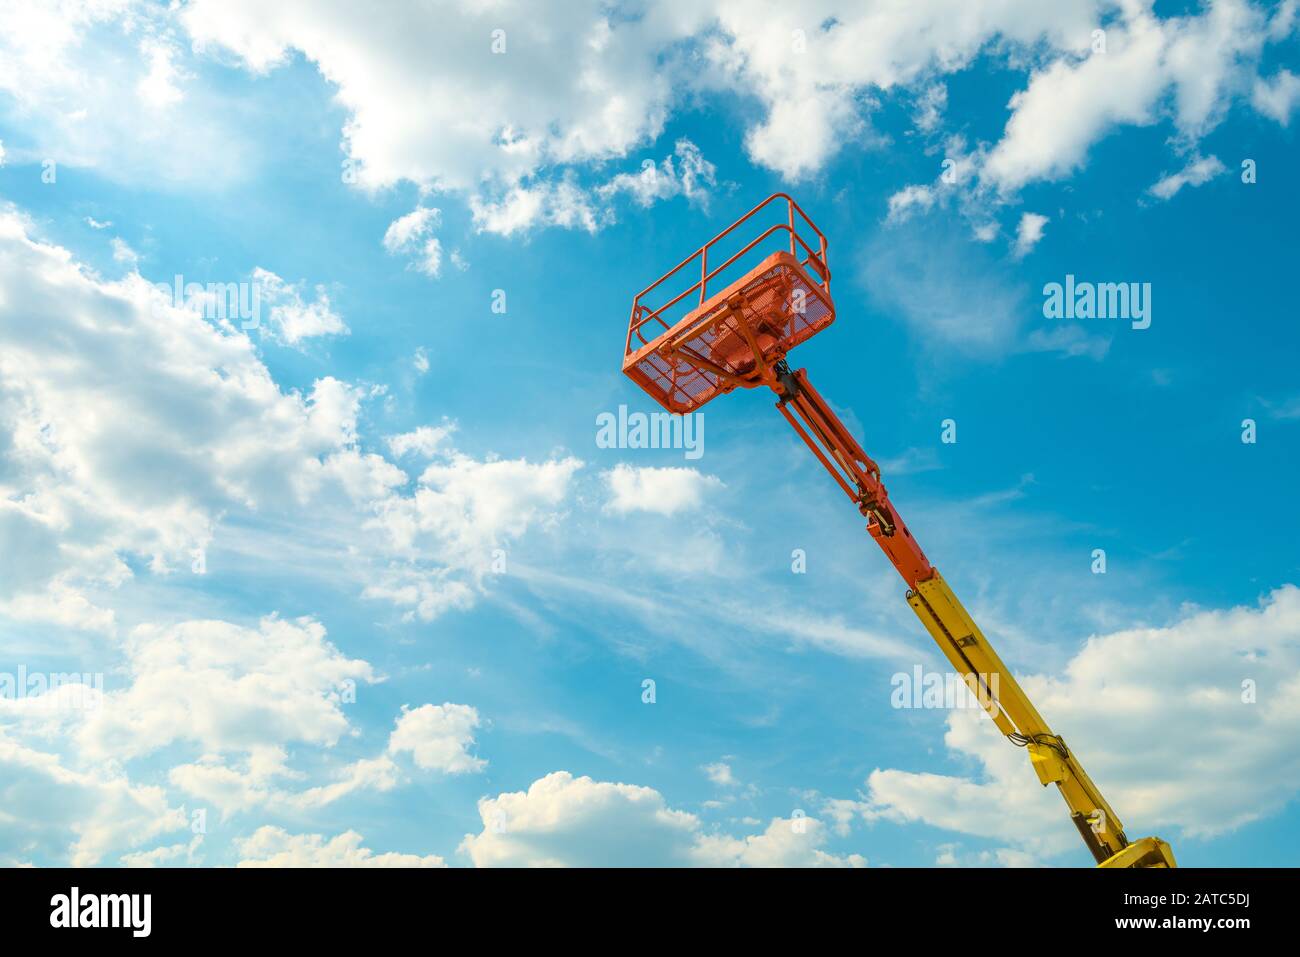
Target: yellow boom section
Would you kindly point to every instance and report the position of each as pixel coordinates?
(1001, 696)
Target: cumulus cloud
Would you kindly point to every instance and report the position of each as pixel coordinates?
(1139, 70)
(425, 441)
(292, 318)
(438, 543)
(74, 816)
(81, 77)
(438, 737)
(662, 491)
(525, 207)
(132, 426)
(563, 821)
(1277, 97)
(238, 700)
(1197, 172)
(168, 855)
(686, 173)
(275, 847)
(817, 73)
(908, 200)
(481, 103)
(225, 688)
(787, 842)
(1067, 106)
(1028, 233)
(413, 234)
(123, 253)
(720, 774)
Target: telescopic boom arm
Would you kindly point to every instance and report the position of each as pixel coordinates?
(737, 338)
(957, 636)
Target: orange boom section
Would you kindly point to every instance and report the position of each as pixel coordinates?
(698, 345)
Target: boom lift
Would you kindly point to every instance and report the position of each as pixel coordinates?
(696, 346)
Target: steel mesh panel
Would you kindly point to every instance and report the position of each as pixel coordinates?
(769, 311)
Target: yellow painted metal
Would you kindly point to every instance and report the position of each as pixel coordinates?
(1148, 852)
(970, 654)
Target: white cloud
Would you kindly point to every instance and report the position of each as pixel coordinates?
(957, 170)
(168, 855)
(438, 737)
(1200, 170)
(158, 88)
(426, 440)
(225, 688)
(462, 507)
(787, 842)
(1068, 105)
(412, 234)
(908, 200)
(105, 471)
(376, 774)
(129, 425)
(663, 491)
(270, 846)
(428, 100)
(930, 106)
(817, 74)
(1115, 704)
(1072, 103)
(1028, 233)
(566, 821)
(691, 176)
(564, 203)
(563, 821)
(720, 774)
(292, 318)
(123, 253)
(814, 100)
(414, 225)
(952, 855)
(79, 78)
(431, 550)
(76, 817)
(231, 784)
(524, 208)
(1284, 19)
(430, 258)
(1277, 97)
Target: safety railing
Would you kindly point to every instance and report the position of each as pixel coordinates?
(813, 261)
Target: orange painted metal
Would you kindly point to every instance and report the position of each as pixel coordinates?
(738, 337)
(855, 471)
(734, 337)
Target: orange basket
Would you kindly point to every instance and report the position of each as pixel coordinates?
(766, 304)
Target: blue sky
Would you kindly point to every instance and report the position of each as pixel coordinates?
(355, 678)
